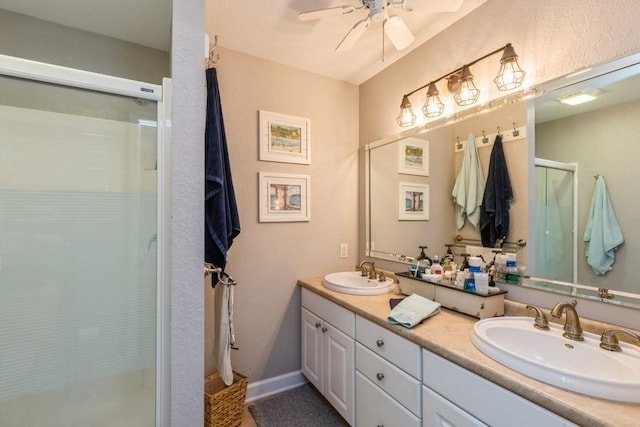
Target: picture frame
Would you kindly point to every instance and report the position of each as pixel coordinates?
(284, 197)
(413, 202)
(284, 138)
(413, 157)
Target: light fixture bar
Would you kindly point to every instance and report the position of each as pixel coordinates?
(509, 77)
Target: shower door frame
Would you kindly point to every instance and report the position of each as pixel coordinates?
(161, 94)
(573, 168)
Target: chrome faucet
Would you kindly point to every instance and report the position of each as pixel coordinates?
(368, 269)
(572, 328)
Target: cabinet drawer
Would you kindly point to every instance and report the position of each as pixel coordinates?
(376, 408)
(401, 386)
(399, 351)
(339, 317)
(490, 403)
(439, 412)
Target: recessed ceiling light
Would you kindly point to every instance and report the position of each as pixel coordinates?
(579, 97)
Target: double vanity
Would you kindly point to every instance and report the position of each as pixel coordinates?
(379, 374)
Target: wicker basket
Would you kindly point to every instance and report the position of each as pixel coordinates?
(224, 405)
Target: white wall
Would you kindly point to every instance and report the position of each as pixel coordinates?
(187, 220)
(267, 258)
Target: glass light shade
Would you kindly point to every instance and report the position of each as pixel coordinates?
(467, 93)
(406, 117)
(510, 75)
(433, 107)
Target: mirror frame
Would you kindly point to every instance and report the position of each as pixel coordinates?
(525, 95)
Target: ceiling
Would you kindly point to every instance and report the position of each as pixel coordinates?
(270, 29)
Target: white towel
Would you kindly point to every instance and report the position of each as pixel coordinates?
(412, 310)
(225, 338)
(469, 187)
(603, 232)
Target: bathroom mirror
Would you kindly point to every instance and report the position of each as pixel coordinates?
(607, 125)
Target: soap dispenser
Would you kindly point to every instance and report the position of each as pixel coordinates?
(436, 267)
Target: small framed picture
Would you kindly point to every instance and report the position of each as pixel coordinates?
(413, 155)
(413, 202)
(284, 138)
(284, 197)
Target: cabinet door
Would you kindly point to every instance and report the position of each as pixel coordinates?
(312, 348)
(439, 412)
(339, 370)
(377, 408)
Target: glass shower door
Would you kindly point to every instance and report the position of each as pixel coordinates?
(78, 237)
(555, 253)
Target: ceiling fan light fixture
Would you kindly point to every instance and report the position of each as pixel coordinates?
(406, 117)
(510, 75)
(467, 93)
(398, 32)
(433, 106)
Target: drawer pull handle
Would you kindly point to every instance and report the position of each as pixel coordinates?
(317, 324)
(324, 329)
(379, 343)
(380, 376)
(379, 425)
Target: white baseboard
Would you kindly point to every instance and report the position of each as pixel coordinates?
(264, 388)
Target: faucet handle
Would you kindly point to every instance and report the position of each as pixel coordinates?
(608, 340)
(541, 321)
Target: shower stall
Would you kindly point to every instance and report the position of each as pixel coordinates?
(82, 295)
(556, 220)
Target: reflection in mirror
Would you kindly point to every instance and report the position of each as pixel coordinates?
(574, 144)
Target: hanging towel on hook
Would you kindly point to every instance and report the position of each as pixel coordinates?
(469, 187)
(494, 212)
(225, 338)
(222, 223)
(602, 233)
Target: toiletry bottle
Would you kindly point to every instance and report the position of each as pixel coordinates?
(511, 273)
(436, 267)
(475, 266)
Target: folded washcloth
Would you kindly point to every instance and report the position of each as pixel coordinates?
(412, 310)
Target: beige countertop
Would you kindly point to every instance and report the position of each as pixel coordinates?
(448, 334)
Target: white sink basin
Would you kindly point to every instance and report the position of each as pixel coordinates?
(580, 366)
(351, 282)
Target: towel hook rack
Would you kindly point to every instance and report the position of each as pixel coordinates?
(499, 133)
(213, 56)
(458, 143)
(516, 132)
(485, 140)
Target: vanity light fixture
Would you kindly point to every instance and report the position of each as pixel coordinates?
(406, 117)
(460, 82)
(579, 97)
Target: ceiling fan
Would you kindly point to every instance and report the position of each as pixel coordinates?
(378, 11)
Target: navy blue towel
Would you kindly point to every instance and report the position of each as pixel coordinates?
(222, 223)
(494, 212)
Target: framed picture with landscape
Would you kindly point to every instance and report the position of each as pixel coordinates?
(284, 197)
(284, 138)
(413, 155)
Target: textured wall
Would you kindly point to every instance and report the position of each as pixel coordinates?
(267, 258)
(187, 189)
(551, 38)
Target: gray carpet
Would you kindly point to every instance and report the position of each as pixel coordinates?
(303, 406)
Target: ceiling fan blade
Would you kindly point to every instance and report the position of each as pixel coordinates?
(434, 5)
(321, 13)
(353, 35)
(398, 32)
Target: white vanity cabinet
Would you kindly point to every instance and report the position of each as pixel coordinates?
(328, 351)
(454, 396)
(388, 377)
